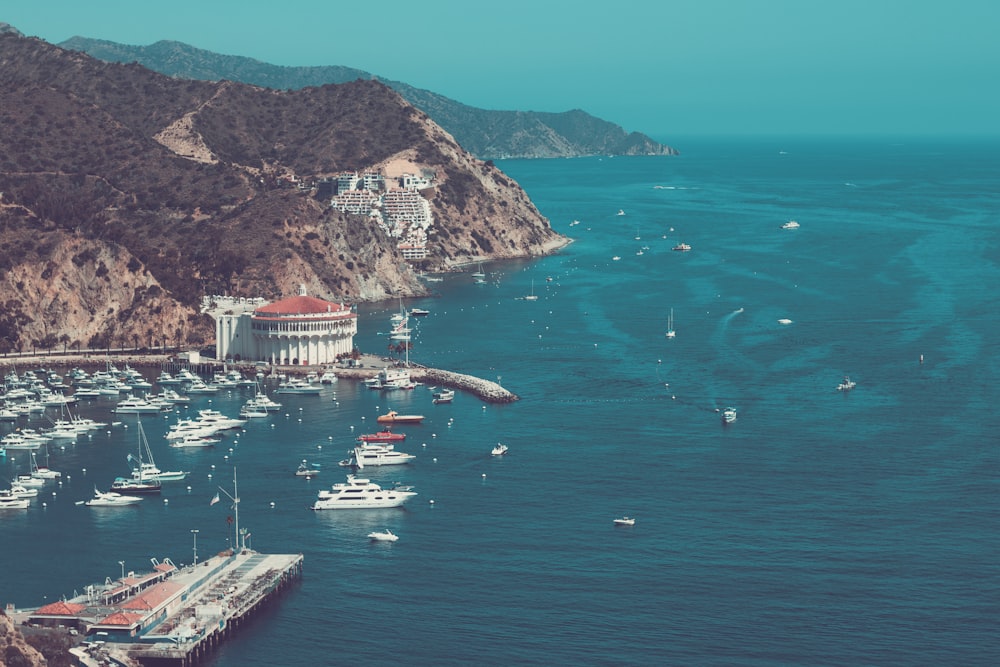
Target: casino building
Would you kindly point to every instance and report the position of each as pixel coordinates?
(301, 329)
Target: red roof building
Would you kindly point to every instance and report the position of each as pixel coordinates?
(302, 329)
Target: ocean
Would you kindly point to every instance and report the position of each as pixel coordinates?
(822, 527)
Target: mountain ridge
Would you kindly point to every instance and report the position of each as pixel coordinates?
(487, 134)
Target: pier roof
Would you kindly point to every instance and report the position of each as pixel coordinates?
(60, 608)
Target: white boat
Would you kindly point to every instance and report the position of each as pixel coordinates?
(306, 470)
(252, 410)
(531, 296)
(784, 321)
(111, 499)
(621, 211)
(376, 454)
(728, 415)
(499, 450)
(670, 325)
(681, 247)
(145, 467)
(198, 386)
(444, 396)
(391, 378)
(383, 536)
(625, 521)
(328, 377)
(358, 493)
(479, 277)
(194, 442)
(42, 472)
(297, 386)
(22, 491)
(847, 384)
(10, 501)
(791, 224)
(135, 405)
(419, 312)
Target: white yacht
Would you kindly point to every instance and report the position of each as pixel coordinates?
(198, 386)
(728, 415)
(499, 450)
(358, 493)
(135, 405)
(296, 386)
(791, 224)
(376, 454)
(111, 499)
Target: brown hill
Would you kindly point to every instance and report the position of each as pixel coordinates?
(127, 195)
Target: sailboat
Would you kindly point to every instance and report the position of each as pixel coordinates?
(479, 276)
(670, 325)
(532, 296)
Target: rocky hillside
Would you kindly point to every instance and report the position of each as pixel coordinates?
(126, 195)
(13, 649)
(484, 133)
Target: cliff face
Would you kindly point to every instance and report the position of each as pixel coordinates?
(126, 195)
(483, 132)
(13, 649)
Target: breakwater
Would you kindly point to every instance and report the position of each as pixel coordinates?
(491, 392)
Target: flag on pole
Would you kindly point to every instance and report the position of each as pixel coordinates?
(214, 500)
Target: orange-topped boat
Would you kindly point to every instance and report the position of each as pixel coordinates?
(393, 417)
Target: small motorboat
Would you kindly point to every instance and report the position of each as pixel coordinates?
(307, 470)
(499, 450)
(384, 536)
(418, 312)
(728, 415)
(847, 385)
(444, 396)
(681, 247)
(625, 521)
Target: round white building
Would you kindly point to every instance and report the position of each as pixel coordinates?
(302, 329)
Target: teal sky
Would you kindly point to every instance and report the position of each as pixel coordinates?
(669, 68)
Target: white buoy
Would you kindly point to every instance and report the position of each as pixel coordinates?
(189, 488)
(434, 459)
(424, 444)
(272, 504)
(431, 501)
(166, 501)
(484, 475)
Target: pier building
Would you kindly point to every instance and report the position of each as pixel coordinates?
(299, 330)
(172, 616)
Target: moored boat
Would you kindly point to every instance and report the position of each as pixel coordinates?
(358, 493)
(444, 396)
(728, 415)
(393, 417)
(625, 521)
(499, 450)
(385, 435)
(382, 536)
(111, 499)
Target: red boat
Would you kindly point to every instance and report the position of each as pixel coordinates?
(382, 436)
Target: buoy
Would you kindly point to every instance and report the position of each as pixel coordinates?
(272, 503)
(189, 487)
(484, 475)
(166, 501)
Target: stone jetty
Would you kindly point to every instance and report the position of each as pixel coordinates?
(491, 392)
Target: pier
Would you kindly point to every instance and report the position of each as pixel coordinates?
(171, 617)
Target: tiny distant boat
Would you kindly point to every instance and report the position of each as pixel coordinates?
(419, 312)
(681, 247)
(620, 212)
(306, 470)
(847, 384)
(499, 450)
(791, 224)
(444, 396)
(784, 320)
(393, 417)
(670, 325)
(625, 521)
(728, 415)
(383, 536)
(615, 258)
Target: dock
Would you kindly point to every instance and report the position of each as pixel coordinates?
(171, 616)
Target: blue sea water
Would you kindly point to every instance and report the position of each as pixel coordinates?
(822, 527)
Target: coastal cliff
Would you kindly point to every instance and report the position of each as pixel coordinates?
(126, 195)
